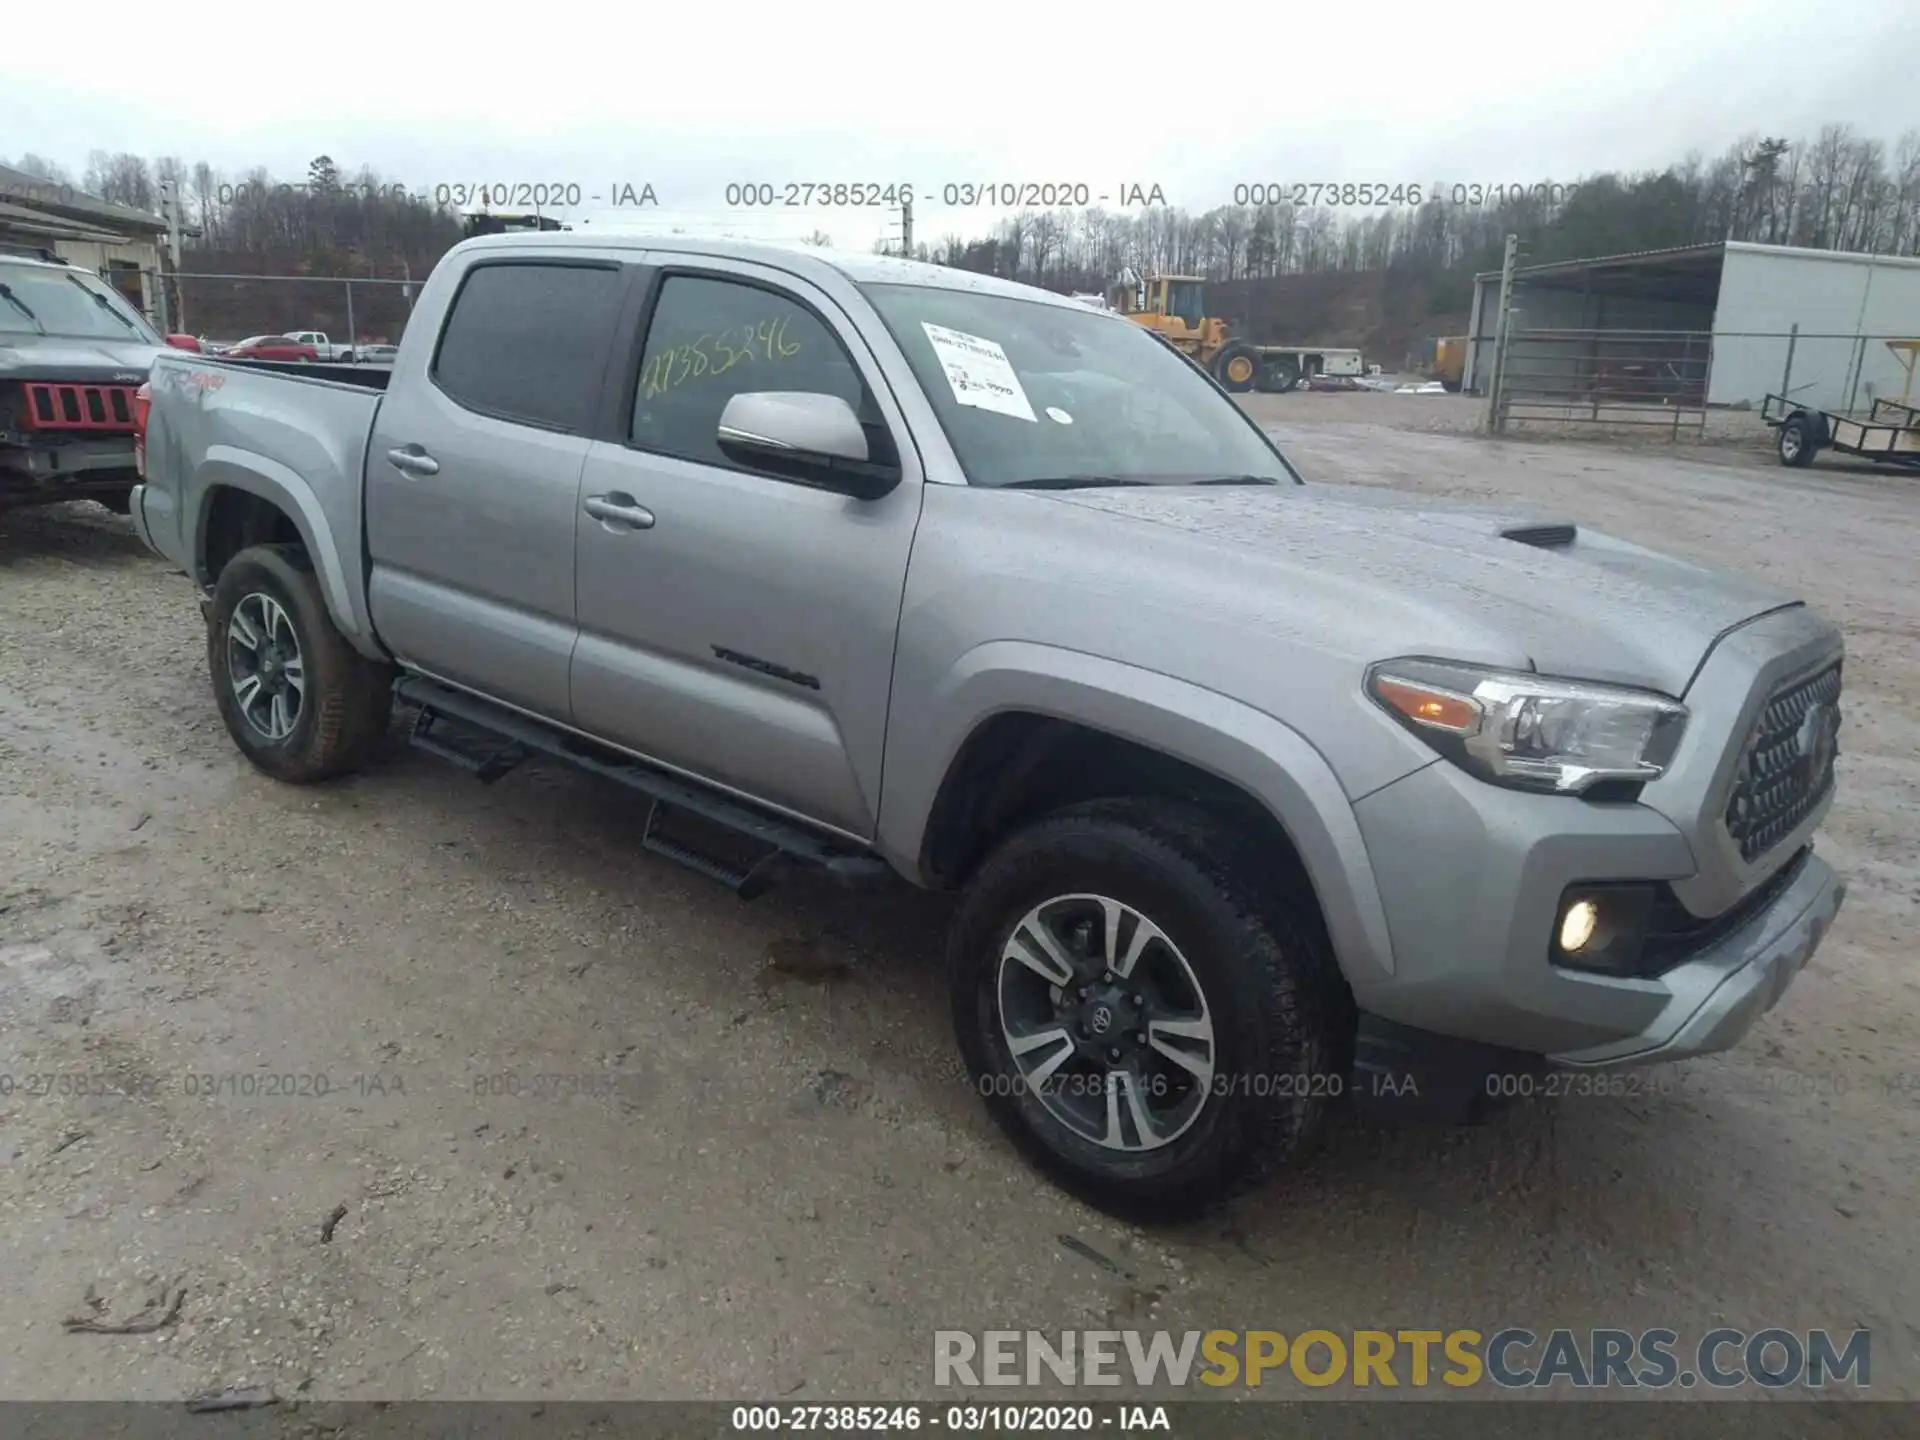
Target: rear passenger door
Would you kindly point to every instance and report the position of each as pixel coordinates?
(473, 478)
(744, 629)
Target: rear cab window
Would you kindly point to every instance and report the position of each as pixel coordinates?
(526, 340)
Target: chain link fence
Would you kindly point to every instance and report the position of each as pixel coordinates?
(350, 310)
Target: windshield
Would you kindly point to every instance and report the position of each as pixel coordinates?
(46, 300)
(1031, 393)
(1184, 300)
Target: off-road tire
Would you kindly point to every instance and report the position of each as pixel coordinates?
(1284, 1022)
(348, 700)
(1230, 352)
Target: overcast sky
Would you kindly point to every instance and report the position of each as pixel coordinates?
(688, 98)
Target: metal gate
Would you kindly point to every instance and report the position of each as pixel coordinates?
(1654, 378)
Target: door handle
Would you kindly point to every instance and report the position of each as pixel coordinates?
(413, 460)
(619, 509)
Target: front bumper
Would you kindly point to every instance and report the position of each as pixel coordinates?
(1471, 877)
(1719, 994)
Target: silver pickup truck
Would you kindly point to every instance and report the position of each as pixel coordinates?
(1261, 793)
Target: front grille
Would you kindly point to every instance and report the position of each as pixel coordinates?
(1786, 766)
(99, 408)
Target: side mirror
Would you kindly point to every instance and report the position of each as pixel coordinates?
(814, 438)
(184, 342)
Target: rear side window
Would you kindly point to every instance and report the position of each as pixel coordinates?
(527, 342)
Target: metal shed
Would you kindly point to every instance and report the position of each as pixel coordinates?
(1719, 324)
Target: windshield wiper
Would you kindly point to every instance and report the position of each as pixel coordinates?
(6, 293)
(1240, 480)
(1072, 482)
(106, 305)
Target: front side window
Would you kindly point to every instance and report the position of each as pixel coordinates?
(527, 342)
(1033, 393)
(711, 339)
(52, 300)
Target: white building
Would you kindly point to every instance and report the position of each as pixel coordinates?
(1729, 308)
(116, 242)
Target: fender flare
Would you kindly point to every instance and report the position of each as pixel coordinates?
(1242, 746)
(231, 468)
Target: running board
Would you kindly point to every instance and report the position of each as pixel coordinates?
(484, 765)
(518, 738)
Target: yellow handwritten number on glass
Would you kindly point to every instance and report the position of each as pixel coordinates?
(673, 367)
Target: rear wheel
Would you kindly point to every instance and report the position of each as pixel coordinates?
(1236, 367)
(1149, 1028)
(1279, 377)
(1798, 441)
(300, 702)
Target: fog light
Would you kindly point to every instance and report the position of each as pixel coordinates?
(1577, 926)
(1600, 927)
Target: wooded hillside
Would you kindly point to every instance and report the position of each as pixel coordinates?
(1380, 278)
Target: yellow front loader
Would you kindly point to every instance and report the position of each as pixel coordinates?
(1174, 307)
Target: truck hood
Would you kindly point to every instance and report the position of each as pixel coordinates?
(69, 357)
(1466, 581)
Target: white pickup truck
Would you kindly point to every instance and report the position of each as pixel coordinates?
(325, 348)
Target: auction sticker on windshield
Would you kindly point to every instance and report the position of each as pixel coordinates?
(979, 372)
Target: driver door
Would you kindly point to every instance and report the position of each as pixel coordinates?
(735, 625)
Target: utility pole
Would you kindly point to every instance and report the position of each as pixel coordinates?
(1495, 421)
(169, 259)
(906, 228)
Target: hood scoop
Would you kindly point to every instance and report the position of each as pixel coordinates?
(1553, 536)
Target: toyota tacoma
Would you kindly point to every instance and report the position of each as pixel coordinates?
(1258, 792)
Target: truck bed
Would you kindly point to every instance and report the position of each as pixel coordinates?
(293, 433)
(367, 377)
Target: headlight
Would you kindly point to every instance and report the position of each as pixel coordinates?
(1530, 731)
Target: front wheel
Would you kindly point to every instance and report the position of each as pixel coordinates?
(1236, 367)
(300, 702)
(1148, 1027)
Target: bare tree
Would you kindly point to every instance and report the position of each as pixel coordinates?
(123, 179)
(42, 168)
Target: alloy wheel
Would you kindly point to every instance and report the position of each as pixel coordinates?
(1106, 1021)
(264, 665)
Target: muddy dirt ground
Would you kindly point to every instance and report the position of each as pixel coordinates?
(442, 1090)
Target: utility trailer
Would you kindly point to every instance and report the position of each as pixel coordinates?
(1889, 434)
(1285, 366)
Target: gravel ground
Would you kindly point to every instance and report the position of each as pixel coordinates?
(559, 1119)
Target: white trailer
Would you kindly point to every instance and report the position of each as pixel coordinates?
(1282, 367)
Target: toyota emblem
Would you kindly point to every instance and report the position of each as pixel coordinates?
(1102, 1020)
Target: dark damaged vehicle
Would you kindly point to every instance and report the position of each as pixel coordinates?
(73, 354)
